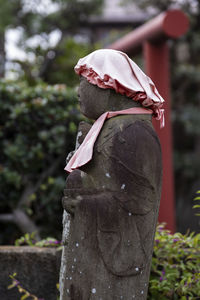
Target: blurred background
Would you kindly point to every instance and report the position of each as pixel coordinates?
(40, 42)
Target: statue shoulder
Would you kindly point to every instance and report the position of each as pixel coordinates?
(126, 129)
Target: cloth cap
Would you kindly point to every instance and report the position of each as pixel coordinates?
(112, 69)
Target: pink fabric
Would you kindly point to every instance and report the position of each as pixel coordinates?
(112, 69)
(84, 153)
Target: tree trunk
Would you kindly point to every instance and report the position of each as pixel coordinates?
(2, 54)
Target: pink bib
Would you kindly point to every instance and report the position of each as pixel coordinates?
(84, 153)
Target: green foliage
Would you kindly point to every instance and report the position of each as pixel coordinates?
(8, 13)
(62, 66)
(69, 14)
(24, 292)
(51, 62)
(175, 265)
(197, 198)
(175, 270)
(30, 240)
(38, 126)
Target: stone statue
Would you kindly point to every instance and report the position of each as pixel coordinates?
(112, 203)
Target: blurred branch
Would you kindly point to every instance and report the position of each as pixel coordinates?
(49, 60)
(26, 67)
(24, 223)
(31, 189)
(6, 218)
(2, 55)
(26, 194)
(19, 217)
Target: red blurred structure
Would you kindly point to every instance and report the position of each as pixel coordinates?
(152, 39)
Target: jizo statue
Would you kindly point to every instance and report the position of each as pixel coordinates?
(112, 194)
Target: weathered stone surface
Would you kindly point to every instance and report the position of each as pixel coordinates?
(37, 270)
(113, 202)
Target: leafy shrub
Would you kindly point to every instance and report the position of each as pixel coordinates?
(38, 126)
(197, 206)
(29, 240)
(175, 270)
(25, 294)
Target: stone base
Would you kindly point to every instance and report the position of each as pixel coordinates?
(37, 270)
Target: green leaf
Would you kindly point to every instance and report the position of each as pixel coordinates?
(11, 286)
(25, 296)
(196, 206)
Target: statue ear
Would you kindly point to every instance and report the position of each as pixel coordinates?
(105, 97)
(112, 100)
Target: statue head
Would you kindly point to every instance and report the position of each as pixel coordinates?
(112, 82)
(94, 101)
(110, 75)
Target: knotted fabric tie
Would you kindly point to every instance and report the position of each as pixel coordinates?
(84, 153)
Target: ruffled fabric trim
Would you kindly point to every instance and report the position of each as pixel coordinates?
(108, 82)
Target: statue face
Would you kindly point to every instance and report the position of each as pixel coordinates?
(92, 99)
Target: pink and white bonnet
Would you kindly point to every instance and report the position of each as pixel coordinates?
(112, 69)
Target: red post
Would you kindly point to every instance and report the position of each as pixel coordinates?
(152, 38)
(157, 67)
(170, 24)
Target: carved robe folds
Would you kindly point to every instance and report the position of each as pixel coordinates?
(116, 199)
